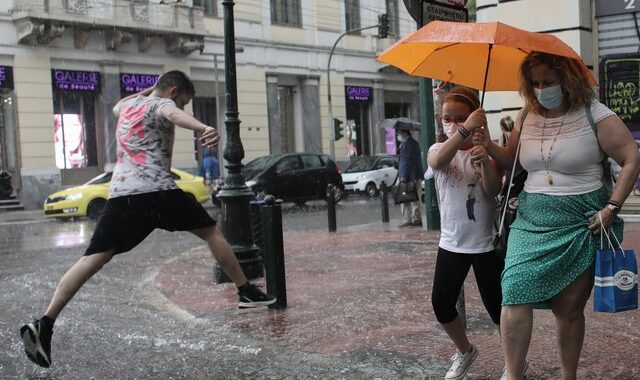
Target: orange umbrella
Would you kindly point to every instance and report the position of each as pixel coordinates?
(484, 56)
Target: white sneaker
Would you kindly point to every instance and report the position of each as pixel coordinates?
(461, 364)
(524, 370)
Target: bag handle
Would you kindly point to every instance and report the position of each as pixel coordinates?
(603, 231)
(512, 174)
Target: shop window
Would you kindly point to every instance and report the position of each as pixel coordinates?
(74, 129)
(286, 12)
(394, 21)
(287, 118)
(352, 14)
(210, 8)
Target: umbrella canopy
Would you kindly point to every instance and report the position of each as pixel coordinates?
(400, 123)
(483, 56)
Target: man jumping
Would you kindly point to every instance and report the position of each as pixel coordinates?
(143, 197)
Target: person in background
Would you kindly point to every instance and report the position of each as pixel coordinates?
(410, 170)
(506, 125)
(551, 248)
(467, 180)
(210, 168)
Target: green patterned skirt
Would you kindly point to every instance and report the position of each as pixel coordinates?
(550, 246)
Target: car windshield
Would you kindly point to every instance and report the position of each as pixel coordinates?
(257, 165)
(361, 164)
(102, 178)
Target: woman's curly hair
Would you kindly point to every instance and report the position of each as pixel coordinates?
(574, 81)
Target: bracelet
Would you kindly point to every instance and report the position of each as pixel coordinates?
(615, 203)
(463, 132)
(614, 209)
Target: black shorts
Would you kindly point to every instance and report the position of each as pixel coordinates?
(126, 221)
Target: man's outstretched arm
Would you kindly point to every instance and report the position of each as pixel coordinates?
(182, 119)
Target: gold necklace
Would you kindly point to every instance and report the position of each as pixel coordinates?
(546, 163)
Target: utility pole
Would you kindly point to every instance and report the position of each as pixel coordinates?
(383, 30)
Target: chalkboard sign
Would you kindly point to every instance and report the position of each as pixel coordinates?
(620, 88)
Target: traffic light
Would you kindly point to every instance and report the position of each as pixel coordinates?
(337, 129)
(383, 25)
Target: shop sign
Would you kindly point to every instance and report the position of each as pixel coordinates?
(133, 83)
(357, 93)
(615, 7)
(6, 77)
(74, 80)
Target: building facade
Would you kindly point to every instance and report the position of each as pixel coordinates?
(65, 63)
(604, 32)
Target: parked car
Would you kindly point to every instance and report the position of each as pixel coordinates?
(294, 177)
(366, 174)
(90, 198)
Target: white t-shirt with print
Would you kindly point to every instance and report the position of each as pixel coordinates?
(575, 160)
(144, 148)
(466, 212)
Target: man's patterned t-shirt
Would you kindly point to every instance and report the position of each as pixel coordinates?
(145, 145)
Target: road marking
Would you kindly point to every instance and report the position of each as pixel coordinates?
(23, 222)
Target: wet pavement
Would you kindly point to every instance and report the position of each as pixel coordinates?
(359, 308)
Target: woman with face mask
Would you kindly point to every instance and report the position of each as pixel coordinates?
(552, 243)
(467, 180)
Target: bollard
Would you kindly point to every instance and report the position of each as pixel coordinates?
(274, 251)
(331, 208)
(384, 201)
(461, 308)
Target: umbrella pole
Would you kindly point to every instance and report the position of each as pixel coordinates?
(486, 74)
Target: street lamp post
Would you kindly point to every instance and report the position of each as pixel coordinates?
(216, 91)
(235, 195)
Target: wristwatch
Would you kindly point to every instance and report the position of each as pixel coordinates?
(614, 209)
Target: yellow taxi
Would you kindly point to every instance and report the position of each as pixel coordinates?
(90, 198)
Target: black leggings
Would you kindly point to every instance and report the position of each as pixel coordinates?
(451, 271)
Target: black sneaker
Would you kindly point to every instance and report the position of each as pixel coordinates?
(250, 296)
(37, 343)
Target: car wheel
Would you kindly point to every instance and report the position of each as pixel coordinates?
(371, 190)
(95, 208)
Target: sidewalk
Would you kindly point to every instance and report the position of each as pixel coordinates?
(365, 293)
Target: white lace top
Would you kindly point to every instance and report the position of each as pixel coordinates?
(572, 162)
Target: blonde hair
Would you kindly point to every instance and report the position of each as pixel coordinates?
(506, 123)
(573, 81)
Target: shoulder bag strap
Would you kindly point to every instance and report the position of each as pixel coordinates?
(605, 163)
(512, 174)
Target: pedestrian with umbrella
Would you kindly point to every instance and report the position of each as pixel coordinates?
(467, 181)
(566, 133)
(409, 171)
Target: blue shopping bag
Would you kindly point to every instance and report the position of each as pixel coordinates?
(616, 278)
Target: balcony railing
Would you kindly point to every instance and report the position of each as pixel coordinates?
(39, 21)
(137, 14)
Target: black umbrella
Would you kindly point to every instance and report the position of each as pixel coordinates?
(401, 123)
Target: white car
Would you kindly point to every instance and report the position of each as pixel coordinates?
(366, 174)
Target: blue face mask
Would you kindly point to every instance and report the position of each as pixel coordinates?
(550, 97)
